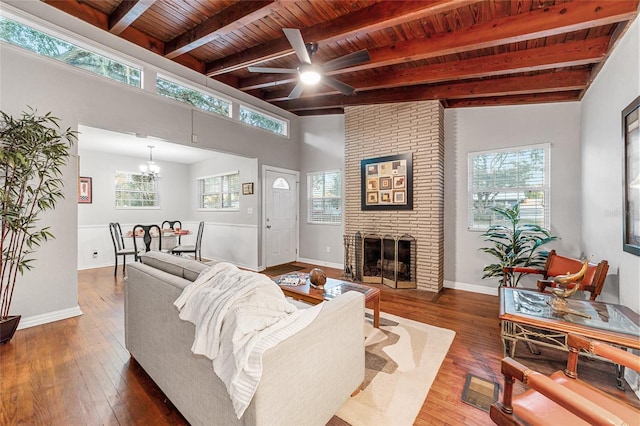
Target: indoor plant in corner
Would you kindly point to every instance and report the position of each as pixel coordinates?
(34, 150)
(514, 245)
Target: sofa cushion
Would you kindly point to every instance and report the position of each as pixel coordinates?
(174, 265)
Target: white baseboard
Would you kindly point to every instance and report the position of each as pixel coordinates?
(62, 314)
(103, 265)
(474, 288)
(321, 263)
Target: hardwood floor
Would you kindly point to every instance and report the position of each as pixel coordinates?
(78, 372)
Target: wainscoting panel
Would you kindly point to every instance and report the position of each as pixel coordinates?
(237, 244)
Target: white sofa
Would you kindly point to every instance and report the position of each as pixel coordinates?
(306, 378)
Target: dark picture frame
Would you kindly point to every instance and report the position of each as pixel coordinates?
(247, 188)
(387, 182)
(85, 190)
(631, 177)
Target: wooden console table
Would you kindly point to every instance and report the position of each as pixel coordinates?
(333, 288)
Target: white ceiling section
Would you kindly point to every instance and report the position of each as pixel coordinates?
(128, 144)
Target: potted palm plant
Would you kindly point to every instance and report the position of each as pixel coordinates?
(514, 245)
(34, 150)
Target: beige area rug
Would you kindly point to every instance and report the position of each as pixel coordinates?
(402, 360)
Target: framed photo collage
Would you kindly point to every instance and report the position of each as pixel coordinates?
(387, 183)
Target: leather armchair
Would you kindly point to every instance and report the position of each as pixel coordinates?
(556, 265)
(562, 398)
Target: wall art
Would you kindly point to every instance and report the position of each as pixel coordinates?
(85, 195)
(387, 183)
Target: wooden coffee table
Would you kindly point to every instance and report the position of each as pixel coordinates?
(332, 289)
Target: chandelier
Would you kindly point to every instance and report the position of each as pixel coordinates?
(150, 168)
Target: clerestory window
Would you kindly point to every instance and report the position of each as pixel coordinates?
(264, 121)
(47, 45)
(187, 95)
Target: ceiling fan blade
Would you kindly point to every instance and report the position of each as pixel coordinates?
(350, 60)
(297, 91)
(273, 70)
(344, 88)
(295, 39)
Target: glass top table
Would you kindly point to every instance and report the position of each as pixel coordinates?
(527, 316)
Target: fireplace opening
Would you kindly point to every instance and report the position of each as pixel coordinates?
(388, 259)
(405, 262)
(372, 261)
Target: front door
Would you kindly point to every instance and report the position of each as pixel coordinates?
(281, 216)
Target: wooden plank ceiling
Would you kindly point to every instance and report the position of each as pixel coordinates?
(462, 52)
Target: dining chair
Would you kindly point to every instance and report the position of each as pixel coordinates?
(556, 265)
(196, 249)
(146, 238)
(172, 224)
(118, 247)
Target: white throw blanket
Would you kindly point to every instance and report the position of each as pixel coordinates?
(238, 316)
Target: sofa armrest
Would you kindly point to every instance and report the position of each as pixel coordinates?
(329, 353)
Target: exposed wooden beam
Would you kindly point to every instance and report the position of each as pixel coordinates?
(230, 19)
(372, 18)
(539, 23)
(126, 13)
(544, 22)
(535, 98)
(82, 11)
(518, 85)
(101, 20)
(541, 58)
(326, 111)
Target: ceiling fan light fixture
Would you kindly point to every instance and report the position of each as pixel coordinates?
(310, 76)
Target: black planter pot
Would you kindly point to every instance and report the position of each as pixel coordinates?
(8, 327)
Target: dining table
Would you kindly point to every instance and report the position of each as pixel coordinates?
(169, 238)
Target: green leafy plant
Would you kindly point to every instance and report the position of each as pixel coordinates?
(514, 245)
(34, 150)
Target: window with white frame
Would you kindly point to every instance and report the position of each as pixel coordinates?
(324, 190)
(219, 192)
(136, 191)
(44, 44)
(188, 95)
(501, 178)
(264, 121)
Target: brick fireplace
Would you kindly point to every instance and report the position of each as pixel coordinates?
(391, 129)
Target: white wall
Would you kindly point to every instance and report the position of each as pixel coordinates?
(79, 97)
(230, 236)
(477, 129)
(101, 167)
(93, 219)
(617, 84)
(321, 149)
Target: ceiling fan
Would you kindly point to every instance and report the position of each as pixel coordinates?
(310, 73)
